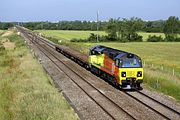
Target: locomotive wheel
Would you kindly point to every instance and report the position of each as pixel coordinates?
(99, 72)
(115, 82)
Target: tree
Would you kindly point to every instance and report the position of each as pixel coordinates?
(154, 26)
(5, 25)
(124, 30)
(171, 25)
(111, 29)
(133, 25)
(171, 28)
(127, 29)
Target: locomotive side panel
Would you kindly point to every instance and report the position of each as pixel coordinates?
(108, 65)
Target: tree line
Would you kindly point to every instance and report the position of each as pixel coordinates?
(120, 29)
(61, 25)
(125, 30)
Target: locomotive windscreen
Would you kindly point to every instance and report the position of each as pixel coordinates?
(131, 63)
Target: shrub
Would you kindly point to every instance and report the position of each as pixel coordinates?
(52, 39)
(78, 40)
(172, 38)
(91, 38)
(103, 38)
(154, 38)
(112, 37)
(177, 40)
(109, 37)
(136, 38)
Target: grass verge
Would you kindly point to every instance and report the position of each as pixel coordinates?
(26, 92)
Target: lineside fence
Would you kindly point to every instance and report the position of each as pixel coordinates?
(169, 70)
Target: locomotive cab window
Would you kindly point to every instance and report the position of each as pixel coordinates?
(94, 52)
(117, 62)
(134, 62)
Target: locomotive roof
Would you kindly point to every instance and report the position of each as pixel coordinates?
(116, 53)
(101, 48)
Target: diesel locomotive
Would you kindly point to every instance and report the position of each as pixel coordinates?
(121, 68)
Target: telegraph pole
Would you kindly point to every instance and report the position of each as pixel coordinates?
(97, 26)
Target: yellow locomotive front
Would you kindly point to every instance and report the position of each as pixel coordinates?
(130, 71)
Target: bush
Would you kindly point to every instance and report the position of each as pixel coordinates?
(177, 40)
(154, 38)
(78, 40)
(136, 38)
(105, 38)
(55, 40)
(91, 38)
(172, 38)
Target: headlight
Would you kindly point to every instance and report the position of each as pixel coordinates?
(139, 74)
(123, 74)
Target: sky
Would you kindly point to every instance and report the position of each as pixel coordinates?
(58, 10)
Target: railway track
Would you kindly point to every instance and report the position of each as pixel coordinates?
(48, 53)
(154, 105)
(43, 48)
(175, 111)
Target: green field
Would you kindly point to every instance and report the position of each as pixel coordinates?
(69, 34)
(145, 35)
(26, 92)
(161, 59)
